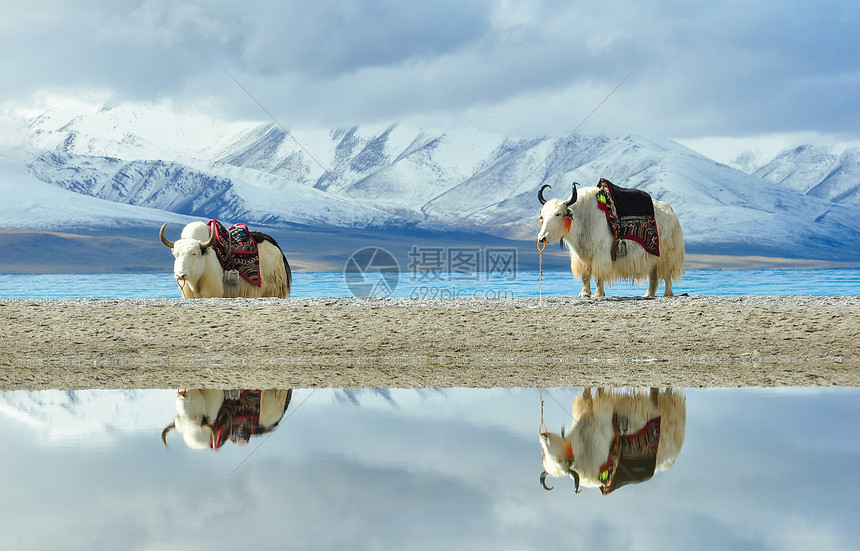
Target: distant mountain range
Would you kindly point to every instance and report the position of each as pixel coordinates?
(817, 171)
(126, 168)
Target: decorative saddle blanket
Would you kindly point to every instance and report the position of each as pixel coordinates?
(632, 458)
(237, 419)
(630, 214)
(237, 250)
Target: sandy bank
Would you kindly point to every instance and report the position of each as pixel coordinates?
(409, 343)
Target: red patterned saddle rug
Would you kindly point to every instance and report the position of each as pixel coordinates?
(237, 250)
(630, 214)
(632, 457)
(237, 419)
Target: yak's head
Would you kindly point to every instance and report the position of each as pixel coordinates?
(191, 420)
(555, 216)
(558, 458)
(189, 251)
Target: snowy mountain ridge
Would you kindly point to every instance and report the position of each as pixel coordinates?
(826, 172)
(142, 162)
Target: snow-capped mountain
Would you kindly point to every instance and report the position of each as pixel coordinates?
(110, 166)
(827, 172)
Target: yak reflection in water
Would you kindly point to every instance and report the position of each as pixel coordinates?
(210, 418)
(618, 437)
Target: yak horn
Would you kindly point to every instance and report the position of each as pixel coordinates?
(540, 193)
(165, 240)
(211, 240)
(166, 430)
(575, 481)
(543, 481)
(572, 199)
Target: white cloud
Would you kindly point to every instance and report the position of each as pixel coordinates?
(720, 69)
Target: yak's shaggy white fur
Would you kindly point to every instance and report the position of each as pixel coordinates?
(199, 274)
(197, 409)
(592, 433)
(589, 241)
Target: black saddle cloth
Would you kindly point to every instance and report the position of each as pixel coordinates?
(630, 201)
(630, 215)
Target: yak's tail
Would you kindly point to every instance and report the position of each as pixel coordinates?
(258, 237)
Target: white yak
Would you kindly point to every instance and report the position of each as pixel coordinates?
(210, 417)
(612, 440)
(582, 225)
(199, 273)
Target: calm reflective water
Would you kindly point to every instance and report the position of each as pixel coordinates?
(841, 282)
(422, 469)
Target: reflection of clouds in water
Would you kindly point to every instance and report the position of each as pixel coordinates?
(348, 503)
(458, 467)
(96, 416)
(767, 458)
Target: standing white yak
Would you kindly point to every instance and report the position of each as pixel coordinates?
(595, 251)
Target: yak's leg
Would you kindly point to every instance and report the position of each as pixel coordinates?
(586, 281)
(586, 286)
(653, 281)
(668, 292)
(599, 292)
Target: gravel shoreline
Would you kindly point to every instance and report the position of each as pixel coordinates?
(695, 341)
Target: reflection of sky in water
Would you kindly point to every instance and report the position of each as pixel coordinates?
(760, 469)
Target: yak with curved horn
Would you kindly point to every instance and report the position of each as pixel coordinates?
(614, 233)
(619, 437)
(208, 418)
(203, 272)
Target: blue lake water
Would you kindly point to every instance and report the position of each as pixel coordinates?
(835, 282)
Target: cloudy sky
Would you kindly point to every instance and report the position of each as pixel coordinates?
(733, 69)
